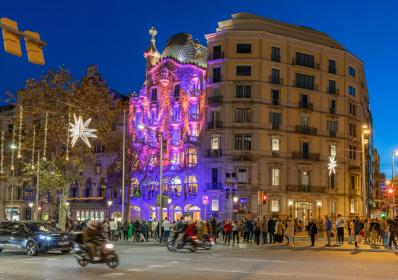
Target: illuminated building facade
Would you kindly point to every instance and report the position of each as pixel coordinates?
(170, 104)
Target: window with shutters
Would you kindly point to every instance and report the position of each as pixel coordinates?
(305, 60)
(243, 91)
(275, 178)
(275, 119)
(243, 115)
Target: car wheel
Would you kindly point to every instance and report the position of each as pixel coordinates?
(31, 249)
(113, 261)
(1, 250)
(66, 251)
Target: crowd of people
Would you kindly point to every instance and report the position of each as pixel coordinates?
(265, 230)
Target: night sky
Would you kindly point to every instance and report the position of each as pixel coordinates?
(114, 34)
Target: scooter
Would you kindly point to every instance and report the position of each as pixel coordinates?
(107, 255)
(190, 243)
(206, 243)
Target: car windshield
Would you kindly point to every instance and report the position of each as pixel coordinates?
(42, 227)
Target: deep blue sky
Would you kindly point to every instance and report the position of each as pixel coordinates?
(114, 35)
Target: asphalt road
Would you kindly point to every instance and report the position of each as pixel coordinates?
(153, 262)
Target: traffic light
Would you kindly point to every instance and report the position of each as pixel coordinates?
(390, 191)
(11, 36)
(264, 199)
(34, 47)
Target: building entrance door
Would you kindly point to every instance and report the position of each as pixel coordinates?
(303, 211)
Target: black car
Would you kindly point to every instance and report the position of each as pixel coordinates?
(34, 237)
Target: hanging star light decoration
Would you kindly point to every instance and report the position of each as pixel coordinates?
(79, 129)
(332, 165)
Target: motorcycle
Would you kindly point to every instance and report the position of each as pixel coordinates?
(107, 255)
(206, 243)
(190, 243)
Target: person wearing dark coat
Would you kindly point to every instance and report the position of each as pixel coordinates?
(271, 230)
(312, 231)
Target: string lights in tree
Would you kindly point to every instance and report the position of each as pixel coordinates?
(79, 129)
(13, 147)
(2, 153)
(33, 146)
(45, 137)
(67, 140)
(20, 131)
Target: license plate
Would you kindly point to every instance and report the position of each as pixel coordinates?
(212, 243)
(63, 243)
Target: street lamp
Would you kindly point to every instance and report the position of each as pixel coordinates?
(365, 131)
(290, 204)
(319, 204)
(109, 208)
(205, 201)
(235, 200)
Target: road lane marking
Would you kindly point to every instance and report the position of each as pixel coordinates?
(244, 272)
(249, 260)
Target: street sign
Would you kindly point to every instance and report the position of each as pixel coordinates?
(382, 186)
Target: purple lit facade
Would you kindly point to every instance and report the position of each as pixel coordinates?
(171, 103)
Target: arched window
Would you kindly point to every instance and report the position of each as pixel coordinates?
(176, 186)
(192, 157)
(177, 158)
(192, 184)
(166, 185)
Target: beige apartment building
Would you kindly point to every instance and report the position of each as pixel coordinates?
(284, 102)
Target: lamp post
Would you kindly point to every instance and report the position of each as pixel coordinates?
(123, 160)
(319, 204)
(110, 202)
(365, 131)
(394, 153)
(235, 201)
(290, 204)
(205, 201)
(30, 204)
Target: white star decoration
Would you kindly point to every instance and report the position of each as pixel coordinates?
(80, 129)
(332, 165)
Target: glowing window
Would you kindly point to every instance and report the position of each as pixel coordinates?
(192, 184)
(176, 186)
(192, 157)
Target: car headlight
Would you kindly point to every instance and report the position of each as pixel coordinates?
(109, 246)
(44, 237)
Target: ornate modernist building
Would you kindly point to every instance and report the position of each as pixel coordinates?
(169, 106)
(284, 105)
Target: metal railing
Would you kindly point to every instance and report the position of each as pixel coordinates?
(303, 129)
(306, 155)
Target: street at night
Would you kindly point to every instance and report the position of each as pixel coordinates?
(141, 140)
(151, 261)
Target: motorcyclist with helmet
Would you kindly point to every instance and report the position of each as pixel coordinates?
(94, 236)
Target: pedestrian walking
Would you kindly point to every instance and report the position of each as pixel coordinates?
(271, 230)
(357, 231)
(312, 231)
(279, 231)
(228, 232)
(290, 231)
(264, 230)
(257, 231)
(328, 229)
(340, 229)
(130, 231)
(235, 232)
(125, 229)
(393, 229)
(166, 229)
